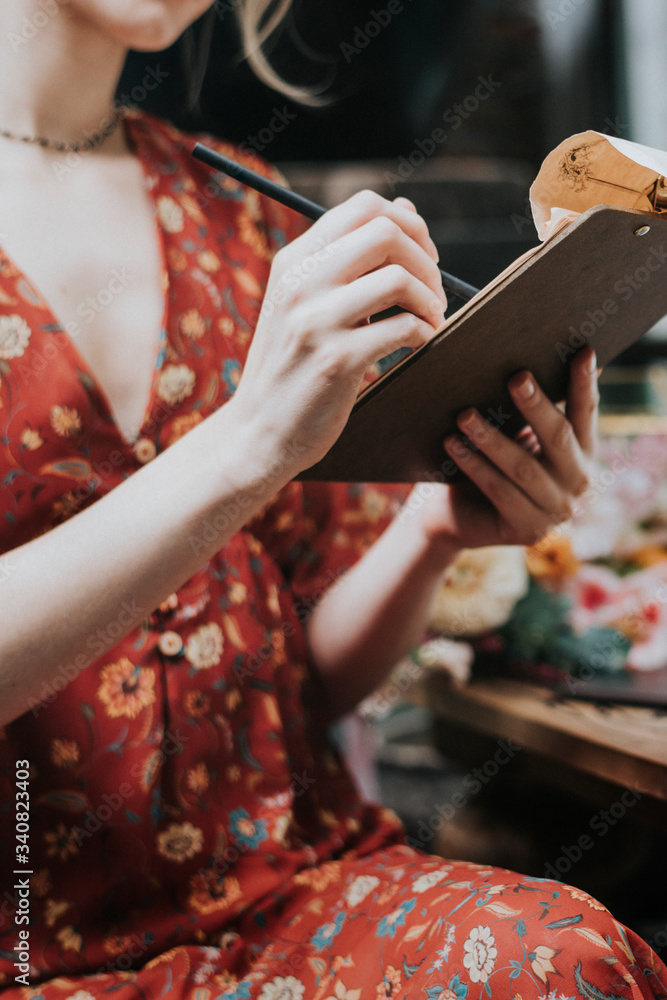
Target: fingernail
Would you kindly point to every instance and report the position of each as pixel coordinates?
(593, 363)
(473, 424)
(525, 389)
(438, 314)
(435, 249)
(455, 444)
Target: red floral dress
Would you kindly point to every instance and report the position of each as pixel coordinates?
(192, 833)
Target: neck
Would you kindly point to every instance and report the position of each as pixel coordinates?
(59, 73)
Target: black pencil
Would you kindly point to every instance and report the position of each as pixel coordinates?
(299, 204)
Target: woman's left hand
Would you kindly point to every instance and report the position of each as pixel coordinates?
(514, 495)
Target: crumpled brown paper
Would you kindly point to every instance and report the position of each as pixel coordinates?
(592, 169)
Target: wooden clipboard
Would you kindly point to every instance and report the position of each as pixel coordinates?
(602, 281)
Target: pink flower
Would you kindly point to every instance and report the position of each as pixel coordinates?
(598, 597)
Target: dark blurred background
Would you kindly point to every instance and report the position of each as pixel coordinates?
(390, 85)
(503, 80)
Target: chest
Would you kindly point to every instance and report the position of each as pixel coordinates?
(90, 245)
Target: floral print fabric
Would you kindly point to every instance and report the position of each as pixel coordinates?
(192, 831)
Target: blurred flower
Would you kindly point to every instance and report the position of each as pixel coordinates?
(552, 557)
(479, 590)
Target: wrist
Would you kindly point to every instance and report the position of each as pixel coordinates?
(226, 471)
(436, 545)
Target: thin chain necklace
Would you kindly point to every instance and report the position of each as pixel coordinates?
(96, 139)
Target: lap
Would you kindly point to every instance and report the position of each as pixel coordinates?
(400, 923)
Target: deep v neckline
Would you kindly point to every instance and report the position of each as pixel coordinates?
(82, 364)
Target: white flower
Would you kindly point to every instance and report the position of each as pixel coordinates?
(479, 590)
(480, 954)
(175, 384)
(429, 879)
(283, 989)
(170, 215)
(204, 647)
(360, 888)
(14, 336)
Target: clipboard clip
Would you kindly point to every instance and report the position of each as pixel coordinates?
(658, 196)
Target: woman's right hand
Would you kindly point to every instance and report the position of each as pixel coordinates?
(313, 341)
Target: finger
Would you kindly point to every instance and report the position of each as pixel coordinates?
(527, 438)
(406, 203)
(583, 399)
(377, 243)
(379, 339)
(520, 522)
(518, 465)
(362, 208)
(388, 286)
(561, 450)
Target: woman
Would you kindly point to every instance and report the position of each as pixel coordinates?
(178, 821)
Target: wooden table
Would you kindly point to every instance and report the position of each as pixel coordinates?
(620, 745)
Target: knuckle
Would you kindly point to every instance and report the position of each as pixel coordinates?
(594, 401)
(525, 470)
(384, 229)
(369, 202)
(494, 491)
(399, 279)
(334, 362)
(421, 227)
(416, 331)
(306, 320)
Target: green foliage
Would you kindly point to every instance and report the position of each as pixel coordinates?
(539, 632)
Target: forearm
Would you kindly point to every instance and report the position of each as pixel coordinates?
(115, 562)
(377, 611)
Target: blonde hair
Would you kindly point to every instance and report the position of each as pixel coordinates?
(259, 20)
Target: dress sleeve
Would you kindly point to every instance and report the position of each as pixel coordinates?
(316, 531)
